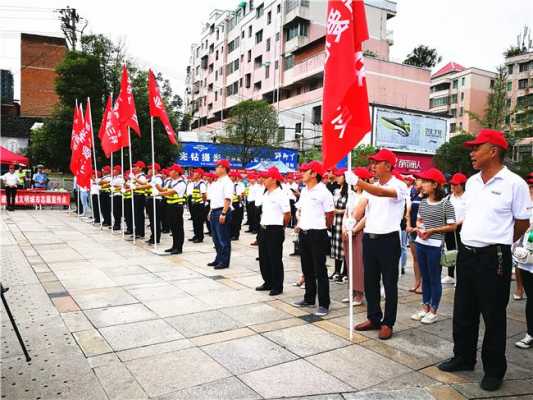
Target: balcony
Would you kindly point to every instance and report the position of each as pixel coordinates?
(196, 87)
(295, 9)
(307, 67)
(295, 43)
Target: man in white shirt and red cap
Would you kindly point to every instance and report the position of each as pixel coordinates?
(497, 214)
(139, 198)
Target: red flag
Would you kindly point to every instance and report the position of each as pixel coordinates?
(77, 129)
(85, 168)
(346, 117)
(101, 131)
(157, 108)
(126, 105)
(112, 136)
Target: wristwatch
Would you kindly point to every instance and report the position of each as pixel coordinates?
(223, 214)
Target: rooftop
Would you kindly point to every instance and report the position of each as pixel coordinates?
(447, 69)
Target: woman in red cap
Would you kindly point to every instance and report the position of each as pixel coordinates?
(340, 198)
(435, 217)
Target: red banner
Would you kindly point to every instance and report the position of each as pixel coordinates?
(408, 163)
(38, 198)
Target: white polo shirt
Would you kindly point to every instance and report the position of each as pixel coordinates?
(10, 179)
(117, 181)
(313, 206)
(459, 205)
(275, 204)
(287, 189)
(239, 188)
(95, 186)
(492, 207)
(220, 190)
(252, 191)
(384, 214)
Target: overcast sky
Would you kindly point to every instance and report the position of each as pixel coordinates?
(158, 33)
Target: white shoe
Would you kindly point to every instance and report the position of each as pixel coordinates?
(382, 292)
(517, 297)
(447, 279)
(356, 303)
(525, 343)
(419, 315)
(429, 318)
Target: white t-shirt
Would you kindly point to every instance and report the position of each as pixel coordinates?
(190, 187)
(258, 195)
(275, 204)
(239, 188)
(220, 190)
(156, 180)
(459, 205)
(10, 179)
(95, 187)
(117, 181)
(252, 191)
(492, 208)
(384, 214)
(353, 201)
(286, 187)
(313, 206)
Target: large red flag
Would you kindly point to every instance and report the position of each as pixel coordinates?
(157, 108)
(85, 168)
(77, 129)
(346, 117)
(126, 105)
(112, 136)
(101, 131)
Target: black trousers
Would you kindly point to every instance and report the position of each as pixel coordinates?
(314, 247)
(117, 212)
(11, 194)
(105, 198)
(207, 208)
(251, 216)
(483, 287)
(150, 212)
(164, 219)
(138, 205)
(128, 215)
(175, 222)
(293, 214)
(96, 208)
(381, 258)
(270, 241)
(236, 222)
(198, 218)
(527, 277)
(257, 217)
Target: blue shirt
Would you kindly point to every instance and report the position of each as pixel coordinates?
(40, 180)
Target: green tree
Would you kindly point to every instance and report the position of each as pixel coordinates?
(361, 153)
(453, 156)
(252, 125)
(423, 56)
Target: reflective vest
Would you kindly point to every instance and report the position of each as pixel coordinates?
(105, 189)
(197, 194)
(127, 194)
(174, 198)
(139, 191)
(235, 198)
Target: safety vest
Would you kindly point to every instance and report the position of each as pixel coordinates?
(235, 198)
(127, 194)
(246, 191)
(197, 194)
(139, 191)
(20, 175)
(174, 198)
(106, 189)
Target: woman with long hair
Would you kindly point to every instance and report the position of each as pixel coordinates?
(340, 198)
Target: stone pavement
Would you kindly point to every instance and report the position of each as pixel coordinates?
(104, 319)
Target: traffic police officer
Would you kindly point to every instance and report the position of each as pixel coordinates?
(116, 192)
(175, 194)
(152, 192)
(139, 198)
(236, 203)
(198, 198)
(105, 195)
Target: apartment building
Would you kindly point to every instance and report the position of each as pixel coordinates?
(274, 50)
(456, 90)
(520, 92)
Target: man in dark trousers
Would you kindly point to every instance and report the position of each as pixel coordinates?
(236, 203)
(198, 199)
(105, 195)
(175, 194)
(139, 198)
(497, 213)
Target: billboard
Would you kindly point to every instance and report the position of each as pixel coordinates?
(205, 155)
(409, 131)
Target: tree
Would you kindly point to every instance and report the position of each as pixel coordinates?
(185, 123)
(453, 156)
(361, 153)
(252, 128)
(423, 56)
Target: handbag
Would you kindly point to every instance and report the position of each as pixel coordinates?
(448, 258)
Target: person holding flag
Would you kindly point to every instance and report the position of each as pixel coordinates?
(116, 192)
(199, 196)
(105, 195)
(175, 195)
(152, 192)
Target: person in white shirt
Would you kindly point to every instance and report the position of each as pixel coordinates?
(315, 219)
(497, 214)
(175, 194)
(95, 196)
(139, 200)
(10, 180)
(116, 190)
(250, 203)
(221, 194)
(198, 202)
(153, 197)
(236, 203)
(384, 207)
(275, 216)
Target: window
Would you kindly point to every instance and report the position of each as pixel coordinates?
(210, 87)
(276, 64)
(461, 111)
(216, 96)
(277, 36)
(522, 83)
(509, 86)
(281, 134)
(462, 96)
(268, 44)
(267, 71)
(298, 127)
(232, 89)
(453, 99)
(439, 101)
(257, 85)
(259, 11)
(259, 36)
(278, 9)
(211, 48)
(216, 75)
(453, 112)
(522, 67)
(316, 117)
(492, 84)
(242, 34)
(211, 68)
(258, 61)
(250, 31)
(216, 55)
(453, 127)
(233, 45)
(269, 17)
(232, 67)
(510, 69)
(288, 62)
(454, 84)
(463, 81)
(247, 80)
(249, 55)
(197, 52)
(218, 34)
(240, 82)
(242, 58)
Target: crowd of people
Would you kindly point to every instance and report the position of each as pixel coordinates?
(477, 227)
(18, 178)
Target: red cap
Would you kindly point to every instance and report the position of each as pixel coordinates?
(106, 168)
(489, 136)
(235, 174)
(339, 171)
(117, 168)
(155, 166)
(140, 164)
(384, 155)
(362, 173)
(273, 173)
(199, 171)
(433, 174)
(224, 163)
(314, 166)
(529, 179)
(176, 167)
(458, 179)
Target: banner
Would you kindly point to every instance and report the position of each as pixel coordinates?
(38, 198)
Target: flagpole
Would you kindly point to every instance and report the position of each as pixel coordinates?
(350, 256)
(153, 175)
(122, 194)
(77, 183)
(131, 188)
(111, 193)
(95, 168)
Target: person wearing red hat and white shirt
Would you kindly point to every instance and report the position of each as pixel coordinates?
(315, 209)
(435, 217)
(151, 191)
(237, 205)
(197, 206)
(457, 198)
(10, 179)
(497, 213)
(105, 195)
(220, 195)
(139, 198)
(384, 207)
(116, 186)
(253, 190)
(175, 194)
(276, 214)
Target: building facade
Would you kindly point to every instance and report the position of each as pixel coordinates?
(6, 86)
(520, 93)
(456, 90)
(274, 50)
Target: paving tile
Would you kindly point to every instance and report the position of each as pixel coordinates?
(255, 313)
(358, 367)
(124, 280)
(276, 325)
(137, 334)
(443, 377)
(222, 336)
(101, 317)
(203, 323)
(295, 378)
(171, 372)
(248, 354)
(178, 273)
(103, 360)
(441, 392)
(340, 331)
(411, 394)
(100, 298)
(118, 383)
(76, 321)
(91, 342)
(289, 309)
(184, 304)
(65, 304)
(223, 389)
(154, 349)
(156, 291)
(509, 388)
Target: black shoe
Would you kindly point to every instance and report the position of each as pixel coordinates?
(191, 239)
(139, 236)
(170, 250)
(128, 233)
(116, 228)
(262, 288)
(275, 292)
(197, 241)
(165, 231)
(212, 264)
(220, 266)
(455, 364)
(490, 383)
(175, 251)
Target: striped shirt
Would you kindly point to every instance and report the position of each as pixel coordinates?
(435, 215)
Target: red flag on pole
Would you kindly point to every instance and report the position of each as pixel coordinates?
(85, 169)
(112, 136)
(126, 105)
(157, 108)
(77, 129)
(346, 117)
(101, 131)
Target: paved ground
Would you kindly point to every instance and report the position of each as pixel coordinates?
(104, 319)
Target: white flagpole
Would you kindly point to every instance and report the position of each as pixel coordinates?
(131, 172)
(350, 256)
(77, 183)
(111, 194)
(153, 175)
(122, 195)
(95, 168)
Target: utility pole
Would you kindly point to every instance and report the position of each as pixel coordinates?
(70, 21)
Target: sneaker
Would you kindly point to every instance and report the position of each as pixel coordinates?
(447, 279)
(525, 343)
(356, 303)
(419, 315)
(430, 318)
(382, 292)
(302, 303)
(321, 312)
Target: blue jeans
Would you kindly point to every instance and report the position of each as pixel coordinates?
(221, 234)
(84, 198)
(430, 268)
(403, 244)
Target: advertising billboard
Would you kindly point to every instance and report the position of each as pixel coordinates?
(408, 131)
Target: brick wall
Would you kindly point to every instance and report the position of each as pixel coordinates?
(39, 57)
